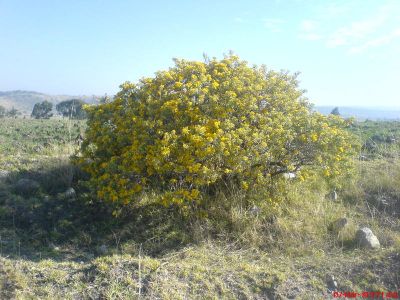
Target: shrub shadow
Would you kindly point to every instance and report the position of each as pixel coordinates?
(59, 218)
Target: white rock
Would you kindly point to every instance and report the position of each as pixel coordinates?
(332, 195)
(289, 175)
(70, 193)
(367, 239)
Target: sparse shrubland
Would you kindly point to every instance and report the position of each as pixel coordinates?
(58, 243)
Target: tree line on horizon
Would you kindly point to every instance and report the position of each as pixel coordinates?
(72, 109)
(12, 113)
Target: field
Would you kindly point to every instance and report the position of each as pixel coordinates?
(60, 243)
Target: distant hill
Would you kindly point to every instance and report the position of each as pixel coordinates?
(363, 113)
(25, 100)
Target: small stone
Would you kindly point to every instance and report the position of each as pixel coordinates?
(332, 195)
(331, 282)
(382, 201)
(54, 247)
(363, 157)
(367, 239)
(255, 210)
(289, 175)
(38, 148)
(70, 193)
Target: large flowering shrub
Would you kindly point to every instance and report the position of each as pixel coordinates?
(200, 125)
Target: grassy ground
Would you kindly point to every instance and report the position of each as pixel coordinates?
(55, 245)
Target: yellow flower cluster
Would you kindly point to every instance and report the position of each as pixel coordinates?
(199, 125)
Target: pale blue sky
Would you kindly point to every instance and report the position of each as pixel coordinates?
(347, 51)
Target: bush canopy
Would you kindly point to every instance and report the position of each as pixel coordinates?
(72, 109)
(42, 110)
(201, 125)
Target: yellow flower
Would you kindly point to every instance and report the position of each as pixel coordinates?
(314, 137)
(165, 152)
(185, 130)
(245, 185)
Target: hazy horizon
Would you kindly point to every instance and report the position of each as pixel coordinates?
(374, 106)
(346, 51)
